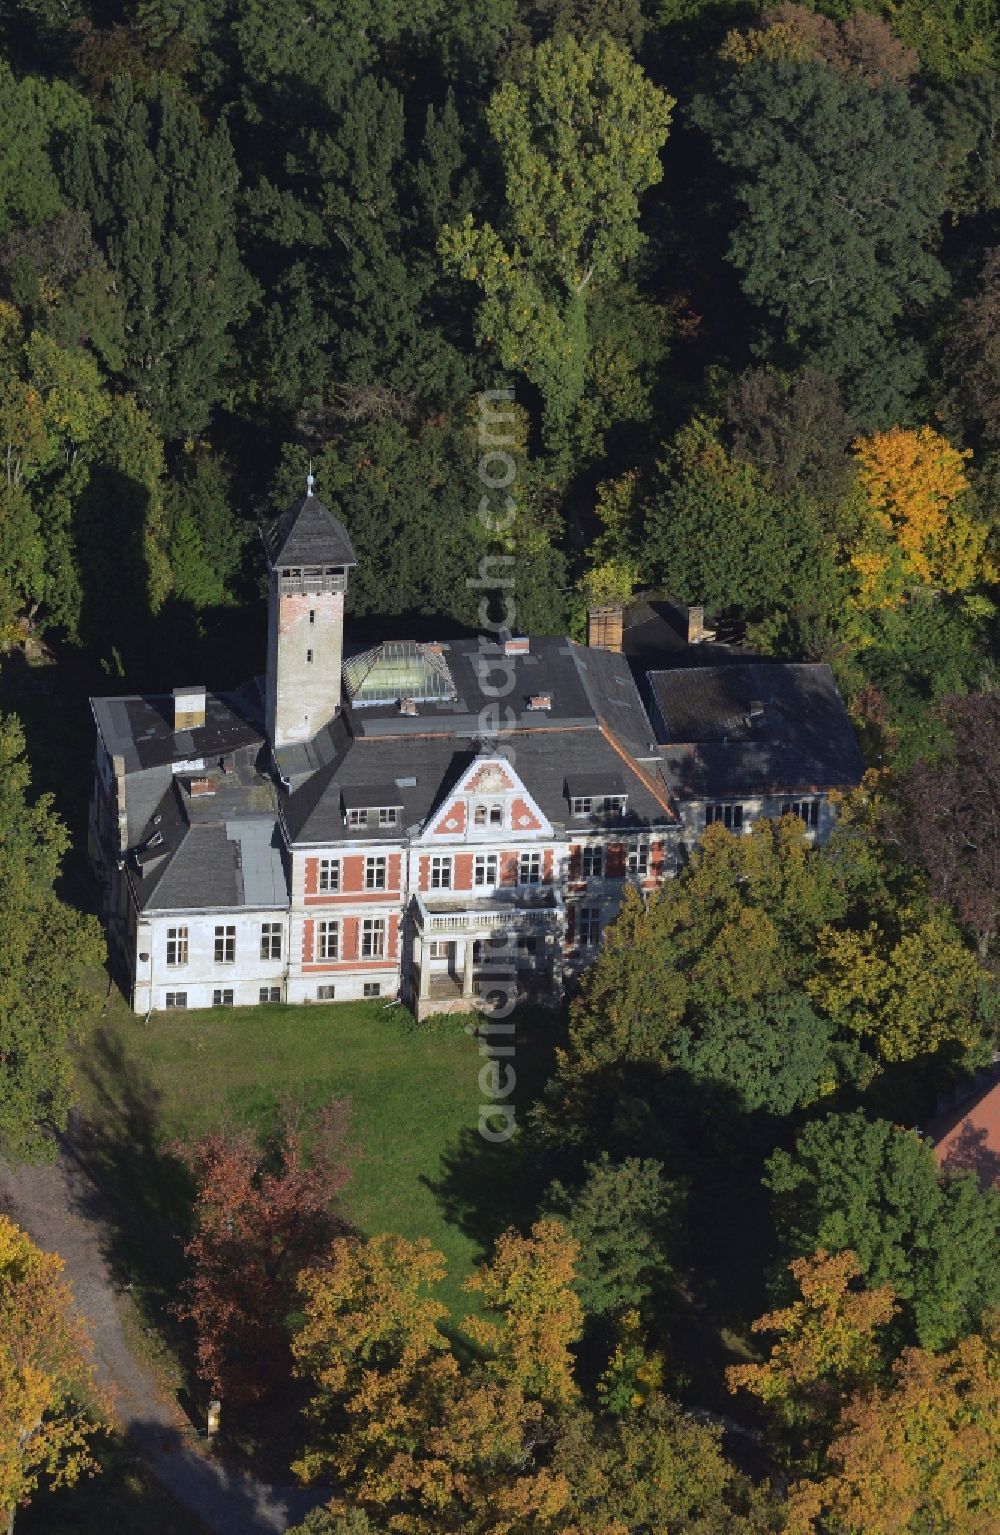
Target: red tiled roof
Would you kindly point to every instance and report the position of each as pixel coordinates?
(968, 1139)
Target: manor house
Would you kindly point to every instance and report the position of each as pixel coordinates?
(445, 823)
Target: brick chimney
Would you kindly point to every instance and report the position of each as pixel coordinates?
(697, 629)
(604, 628)
(189, 708)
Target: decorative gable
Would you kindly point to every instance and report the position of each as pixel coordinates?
(489, 803)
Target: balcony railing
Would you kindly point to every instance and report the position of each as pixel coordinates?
(463, 921)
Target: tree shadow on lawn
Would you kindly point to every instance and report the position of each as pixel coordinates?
(712, 1150)
(486, 1186)
(139, 1193)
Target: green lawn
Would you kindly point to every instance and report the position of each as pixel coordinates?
(422, 1168)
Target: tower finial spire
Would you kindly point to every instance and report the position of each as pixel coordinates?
(309, 479)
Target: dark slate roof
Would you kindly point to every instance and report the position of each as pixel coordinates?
(308, 534)
(596, 724)
(140, 728)
(221, 851)
(753, 728)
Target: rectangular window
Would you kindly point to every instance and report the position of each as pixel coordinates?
(270, 940)
(270, 993)
(372, 989)
(176, 999)
(375, 873)
(592, 863)
(601, 805)
(329, 940)
(225, 945)
(222, 998)
(486, 869)
(488, 815)
(357, 818)
(440, 872)
(589, 926)
(329, 874)
(325, 993)
(177, 945)
(529, 869)
(731, 816)
(312, 615)
(309, 656)
(388, 816)
(372, 938)
(439, 948)
(807, 810)
(638, 859)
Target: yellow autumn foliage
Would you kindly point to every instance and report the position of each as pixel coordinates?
(918, 527)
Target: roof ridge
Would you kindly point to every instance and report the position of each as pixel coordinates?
(646, 779)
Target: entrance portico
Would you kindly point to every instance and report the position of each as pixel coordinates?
(482, 953)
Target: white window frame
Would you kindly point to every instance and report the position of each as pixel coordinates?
(177, 946)
(486, 869)
(175, 1000)
(270, 995)
(488, 815)
(373, 938)
(529, 868)
(388, 815)
(441, 871)
(357, 819)
(376, 872)
(225, 944)
(270, 940)
(637, 861)
(328, 880)
(223, 996)
(730, 813)
(328, 939)
(371, 989)
(806, 809)
(592, 860)
(588, 926)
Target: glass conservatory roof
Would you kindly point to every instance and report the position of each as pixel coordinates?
(399, 669)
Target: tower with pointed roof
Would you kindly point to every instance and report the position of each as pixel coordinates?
(309, 559)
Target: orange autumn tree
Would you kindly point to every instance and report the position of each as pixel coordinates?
(529, 1282)
(826, 1346)
(921, 1456)
(395, 1421)
(50, 1407)
(915, 527)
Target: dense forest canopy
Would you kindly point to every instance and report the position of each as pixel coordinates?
(738, 268)
(738, 265)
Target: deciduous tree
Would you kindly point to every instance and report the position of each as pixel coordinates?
(47, 996)
(921, 1455)
(949, 817)
(579, 129)
(834, 197)
(827, 1347)
(873, 1187)
(50, 1405)
(529, 1281)
(255, 1227)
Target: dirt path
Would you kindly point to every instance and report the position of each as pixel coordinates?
(60, 1208)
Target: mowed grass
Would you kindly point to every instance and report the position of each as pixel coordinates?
(421, 1170)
